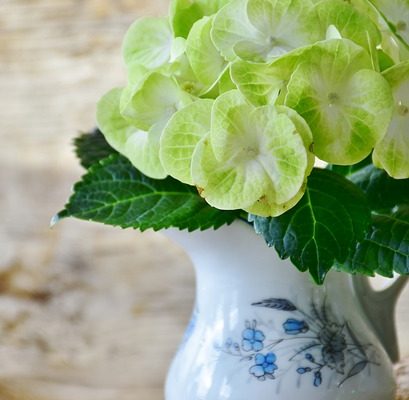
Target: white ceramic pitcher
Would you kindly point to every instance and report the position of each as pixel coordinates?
(262, 330)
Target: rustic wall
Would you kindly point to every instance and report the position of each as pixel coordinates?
(86, 312)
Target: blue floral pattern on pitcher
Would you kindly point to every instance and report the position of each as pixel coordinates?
(253, 339)
(321, 344)
(295, 327)
(265, 366)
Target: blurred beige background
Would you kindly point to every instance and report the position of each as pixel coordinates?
(87, 312)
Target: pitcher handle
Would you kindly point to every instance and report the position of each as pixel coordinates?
(379, 306)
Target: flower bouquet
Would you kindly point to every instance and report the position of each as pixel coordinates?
(227, 108)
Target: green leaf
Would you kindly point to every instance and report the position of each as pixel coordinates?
(92, 147)
(115, 193)
(382, 191)
(385, 249)
(322, 228)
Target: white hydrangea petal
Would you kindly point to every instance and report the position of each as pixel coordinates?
(230, 120)
(141, 148)
(206, 62)
(231, 25)
(349, 22)
(262, 83)
(153, 101)
(181, 136)
(391, 153)
(110, 121)
(261, 30)
(184, 13)
(148, 42)
(225, 186)
(396, 12)
(268, 207)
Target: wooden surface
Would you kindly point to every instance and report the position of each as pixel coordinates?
(86, 312)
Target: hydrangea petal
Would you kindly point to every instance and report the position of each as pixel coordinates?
(225, 185)
(230, 120)
(349, 22)
(286, 24)
(184, 13)
(141, 148)
(182, 71)
(263, 83)
(148, 42)
(231, 25)
(305, 133)
(226, 83)
(207, 63)
(181, 135)
(261, 30)
(267, 206)
(257, 82)
(112, 124)
(153, 101)
(391, 153)
(396, 12)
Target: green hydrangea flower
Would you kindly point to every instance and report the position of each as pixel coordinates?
(251, 155)
(347, 104)
(239, 97)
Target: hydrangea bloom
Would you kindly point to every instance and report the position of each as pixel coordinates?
(238, 97)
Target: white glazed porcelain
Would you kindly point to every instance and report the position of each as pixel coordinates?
(262, 330)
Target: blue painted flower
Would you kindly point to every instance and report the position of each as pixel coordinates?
(265, 366)
(303, 370)
(317, 378)
(253, 340)
(295, 327)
